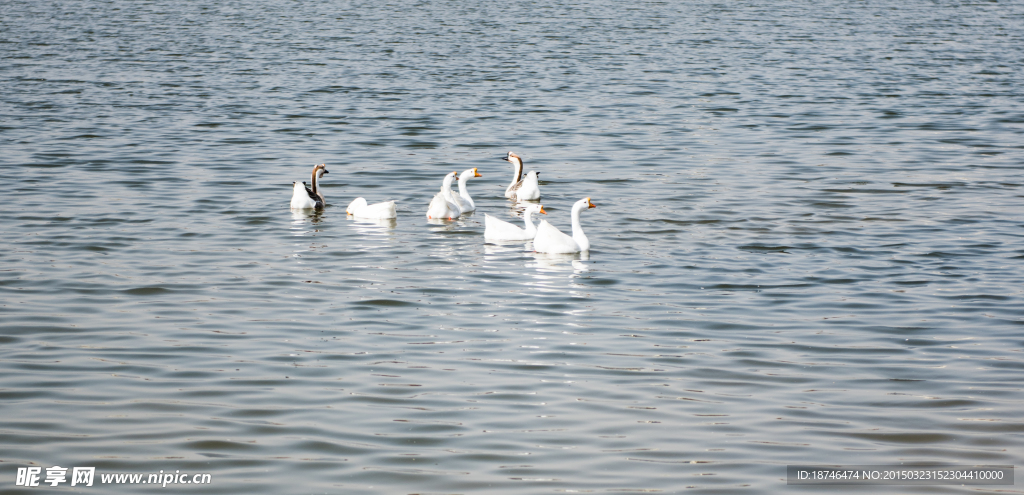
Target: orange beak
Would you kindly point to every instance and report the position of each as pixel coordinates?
(542, 210)
(590, 205)
(475, 173)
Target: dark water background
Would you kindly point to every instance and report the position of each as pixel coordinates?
(808, 245)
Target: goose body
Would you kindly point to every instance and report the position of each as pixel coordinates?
(443, 205)
(378, 211)
(551, 240)
(464, 202)
(500, 230)
(521, 189)
(304, 196)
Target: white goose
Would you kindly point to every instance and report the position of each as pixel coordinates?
(551, 240)
(500, 230)
(305, 197)
(464, 202)
(443, 205)
(521, 189)
(377, 211)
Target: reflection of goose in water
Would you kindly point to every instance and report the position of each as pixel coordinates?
(521, 189)
(370, 225)
(301, 216)
(464, 202)
(551, 240)
(443, 205)
(561, 262)
(503, 251)
(500, 230)
(304, 196)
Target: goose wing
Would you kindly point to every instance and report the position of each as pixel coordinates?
(527, 189)
(439, 207)
(515, 189)
(383, 210)
(551, 240)
(497, 229)
(316, 197)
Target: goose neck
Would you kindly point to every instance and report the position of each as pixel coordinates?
(518, 175)
(577, 229)
(464, 194)
(531, 229)
(446, 190)
(576, 209)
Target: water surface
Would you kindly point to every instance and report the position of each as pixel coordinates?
(807, 246)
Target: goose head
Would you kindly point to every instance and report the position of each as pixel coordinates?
(535, 208)
(468, 174)
(583, 204)
(355, 204)
(514, 159)
(447, 184)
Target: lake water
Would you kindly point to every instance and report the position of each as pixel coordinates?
(808, 246)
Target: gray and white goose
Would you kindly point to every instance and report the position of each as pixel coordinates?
(522, 189)
(304, 196)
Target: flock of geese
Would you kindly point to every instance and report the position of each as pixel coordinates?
(447, 205)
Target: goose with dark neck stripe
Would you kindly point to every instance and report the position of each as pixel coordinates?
(522, 189)
(304, 196)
